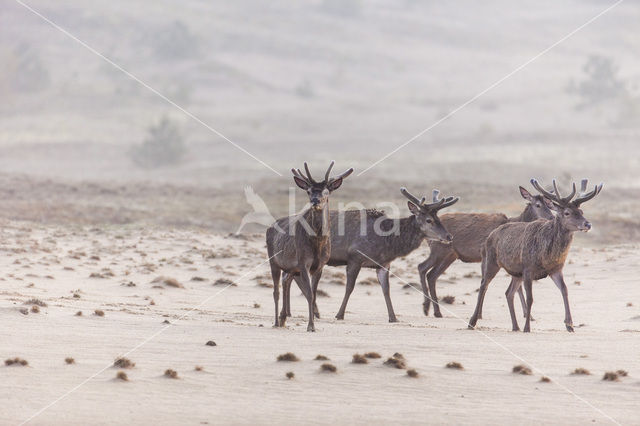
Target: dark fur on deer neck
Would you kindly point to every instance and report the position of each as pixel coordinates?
(406, 240)
(318, 221)
(527, 215)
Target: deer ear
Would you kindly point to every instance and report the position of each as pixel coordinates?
(525, 194)
(413, 208)
(334, 184)
(301, 183)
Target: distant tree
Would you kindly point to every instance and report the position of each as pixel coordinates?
(342, 8)
(163, 146)
(601, 83)
(175, 41)
(29, 72)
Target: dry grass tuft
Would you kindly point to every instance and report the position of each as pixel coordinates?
(522, 369)
(610, 376)
(16, 361)
(198, 279)
(412, 373)
(79, 313)
(290, 375)
(199, 368)
(372, 355)
(225, 282)
(622, 373)
(398, 355)
(35, 309)
(121, 375)
(581, 371)
(321, 358)
(289, 356)
(545, 379)
(98, 312)
(36, 302)
(359, 359)
(448, 300)
(454, 365)
(322, 293)
(328, 368)
(211, 343)
(24, 311)
(123, 363)
(172, 374)
(395, 363)
(69, 360)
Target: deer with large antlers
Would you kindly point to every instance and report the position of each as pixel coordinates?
(532, 251)
(300, 245)
(370, 239)
(470, 231)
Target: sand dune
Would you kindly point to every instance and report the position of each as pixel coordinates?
(161, 326)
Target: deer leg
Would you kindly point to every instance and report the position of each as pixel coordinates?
(353, 269)
(304, 282)
(423, 268)
(523, 302)
(383, 279)
(528, 287)
(286, 298)
(275, 275)
(489, 270)
(432, 277)
(558, 279)
(315, 280)
(515, 286)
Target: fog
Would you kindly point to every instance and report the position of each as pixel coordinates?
(162, 112)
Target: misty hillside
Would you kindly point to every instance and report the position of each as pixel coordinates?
(346, 80)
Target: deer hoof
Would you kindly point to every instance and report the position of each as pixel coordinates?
(570, 328)
(425, 309)
(340, 317)
(394, 319)
(471, 327)
(526, 330)
(437, 314)
(317, 315)
(311, 328)
(515, 329)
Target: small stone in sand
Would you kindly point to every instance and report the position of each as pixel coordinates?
(610, 376)
(522, 369)
(211, 343)
(15, 361)
(98, 312)
(545, 379)
(455, 365)
(412, 373)
(372, 355)
(123, 363)
(359, 359)
(581, 371)
(121, 375)
(70, 360)
(290, 375)
(321, 358)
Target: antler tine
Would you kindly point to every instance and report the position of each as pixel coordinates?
(298, 174)
(583, 185)
(326, 175)
(306, 168)
(555, 189)
(411, 197)
(540, 189)
(435, 195)
(343, 175)
(586, 197)
(448, 202)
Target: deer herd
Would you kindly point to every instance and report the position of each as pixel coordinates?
(528, 247)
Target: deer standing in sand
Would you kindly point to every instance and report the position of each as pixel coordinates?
(470, 231)
(367, 239)
(531, 251)
(300, 245)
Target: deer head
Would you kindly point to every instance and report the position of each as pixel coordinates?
(540, 205)
(427, 215)
(318, 191)
(569, 213)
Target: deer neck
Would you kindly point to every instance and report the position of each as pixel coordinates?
(408, 238)
(318, 221)
(560, 240)
(527, 215)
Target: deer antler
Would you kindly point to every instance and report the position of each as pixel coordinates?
(297, 173)
(584, 197)
(340, 176)
(326, 175)
(306, 169)
(412, 197)
(436, 205)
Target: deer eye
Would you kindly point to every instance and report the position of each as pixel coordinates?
(567, 214)
(429, 221)
(537, 205)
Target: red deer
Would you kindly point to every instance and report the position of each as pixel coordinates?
(300, 245)
(470, 231)
(531, 251)
(367, 238)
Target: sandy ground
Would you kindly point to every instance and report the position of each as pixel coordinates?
(241, 382)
